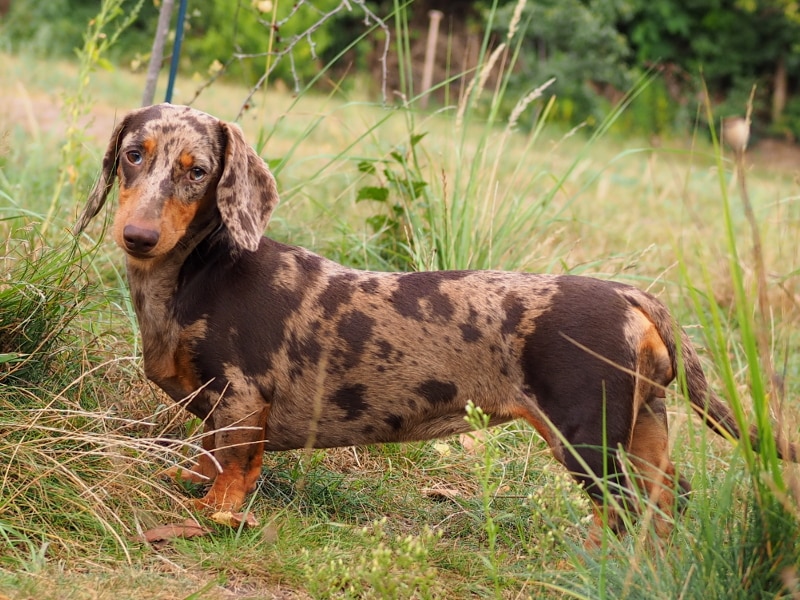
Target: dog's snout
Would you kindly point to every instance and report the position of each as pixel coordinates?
(139, 239)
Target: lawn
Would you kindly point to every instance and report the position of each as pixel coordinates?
(84, 435)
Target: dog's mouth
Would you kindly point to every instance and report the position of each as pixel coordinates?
(138, 255)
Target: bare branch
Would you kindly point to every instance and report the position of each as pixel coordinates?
(285, 51)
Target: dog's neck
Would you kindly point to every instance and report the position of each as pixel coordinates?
(153, 284)
(152, 292)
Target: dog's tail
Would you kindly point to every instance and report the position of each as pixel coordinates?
(716, 414)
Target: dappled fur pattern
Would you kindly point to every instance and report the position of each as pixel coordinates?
(275, 347)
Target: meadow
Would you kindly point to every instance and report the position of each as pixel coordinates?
(388, 187)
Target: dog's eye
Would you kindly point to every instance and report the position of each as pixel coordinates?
(196, 174)
(134, 157)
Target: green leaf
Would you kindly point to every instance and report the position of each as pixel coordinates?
(379, 194)
(10, 357)
(105, 64)
(418, 186)
(381, 223)
(274, 163)
(415, 139)
(367, 166)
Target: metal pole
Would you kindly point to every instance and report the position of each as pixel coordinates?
(176, 50)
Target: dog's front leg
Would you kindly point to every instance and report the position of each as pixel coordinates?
(239, 450)
(204, 469)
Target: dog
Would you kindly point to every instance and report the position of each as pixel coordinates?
(277, 348)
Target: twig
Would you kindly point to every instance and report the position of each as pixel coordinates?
(758, 259)
(775, 384)
(370, 20)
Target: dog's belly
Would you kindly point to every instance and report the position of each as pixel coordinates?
(401, 403)
(335, 434)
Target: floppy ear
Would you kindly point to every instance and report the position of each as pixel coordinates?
(98, 195)
(246, 192)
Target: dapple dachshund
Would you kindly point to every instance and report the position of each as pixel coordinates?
(275, 347)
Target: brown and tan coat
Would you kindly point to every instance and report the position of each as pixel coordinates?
(276, 348)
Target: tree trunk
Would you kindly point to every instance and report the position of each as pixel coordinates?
(435, 17)
(779, 87)
(157, 54)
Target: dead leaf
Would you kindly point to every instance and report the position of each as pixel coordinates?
(442, 448)
(160, 536)
(442, 493)
(270, 533)
(473, 442)
(231, 519)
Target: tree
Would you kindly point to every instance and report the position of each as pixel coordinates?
(579, 43)
(732, 44)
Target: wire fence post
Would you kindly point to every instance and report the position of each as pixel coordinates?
(435, 17)
(157, 53)
(176, 50)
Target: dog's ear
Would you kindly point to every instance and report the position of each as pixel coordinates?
(246, 192)
(99, 192)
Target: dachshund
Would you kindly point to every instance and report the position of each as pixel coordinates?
(277, 348)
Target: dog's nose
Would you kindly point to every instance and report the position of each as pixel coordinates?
(139, 239)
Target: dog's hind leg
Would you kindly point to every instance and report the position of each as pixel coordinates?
(655, 472)
(648, 448)
(600, 473)
(584, 457)
(239, 451)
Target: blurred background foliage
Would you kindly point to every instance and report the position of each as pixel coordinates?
(596, 49)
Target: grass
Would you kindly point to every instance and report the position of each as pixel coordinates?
(84, 435)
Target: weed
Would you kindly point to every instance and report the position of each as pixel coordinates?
(561, 512)
(485, 472)
(400, 189)
(42, 292)
(387, 567)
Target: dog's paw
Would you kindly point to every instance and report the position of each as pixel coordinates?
(224, 496)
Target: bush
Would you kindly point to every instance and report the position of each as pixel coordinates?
(579, 44)
(215, 33)
(56, 28)
(41, 294)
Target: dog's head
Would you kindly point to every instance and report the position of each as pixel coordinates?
(181, 172)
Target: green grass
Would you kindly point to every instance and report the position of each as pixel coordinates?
(83, 432)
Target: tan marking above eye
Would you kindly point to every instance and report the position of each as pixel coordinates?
(186, 160)
(149, 145)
